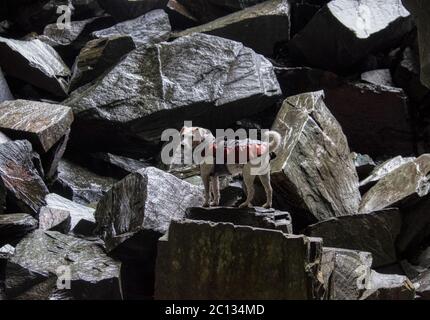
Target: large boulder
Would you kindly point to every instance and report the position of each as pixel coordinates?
(252, 263)
(5, 93)
(421, 11)
(361, 27)
(375, 233)
(206, 79)
(80, 184)
(126, 10)
(43, 124)
(97, 57)
(134, 214)
(410, 179)
(25, 188)
(36, 63)
(314, 169)
(15, 226)
(49, 256)
(260, 27)
(149, 28)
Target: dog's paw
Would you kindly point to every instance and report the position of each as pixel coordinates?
(267, 205)
(214, 204)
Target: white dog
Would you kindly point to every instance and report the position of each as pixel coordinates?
(254, 160)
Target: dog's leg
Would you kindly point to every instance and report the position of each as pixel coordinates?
(215, 190)
(265, 181)
(205, 174)
(248, 178)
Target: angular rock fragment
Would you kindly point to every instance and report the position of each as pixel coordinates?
(179, 16)
(25, 188)
(81, 185)
(302, 11)
(5, 93)
(422, 285)
(147, 29)
(375, 233)
(253, 217)
(15, 226)
(126, 10)
(195, 78)
(313, 169)
(82, 219)
(360, 27)
(54, 220)
(134, 214)
(6, 252)
(388, 287)
(381, 77)
(407, 180)
(52, 158)
(43, 124)
(50, 255)
(276, 265)
(97, 57)
(363, 164)
(260, 27)
(116, 166)
(36, 63)
(421, 11)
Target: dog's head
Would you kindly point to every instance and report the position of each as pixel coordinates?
(194, 136)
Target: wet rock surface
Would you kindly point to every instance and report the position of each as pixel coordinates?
(5, 93)
(15, 226)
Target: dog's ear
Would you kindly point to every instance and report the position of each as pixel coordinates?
(200, 134)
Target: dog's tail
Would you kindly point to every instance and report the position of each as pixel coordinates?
(274, 139)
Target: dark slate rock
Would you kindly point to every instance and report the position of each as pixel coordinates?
(40, 257)
(364, 165)
(361, 28)
(421, 11)
(5, 93)
(179, 16)
(406, 181)
(81, 185)
(380, 77)
(36, 63)
(43, 124)
(260, 27)
(195, 77)
(52, 158)
(25, 188)
(82, 221)
(13, 227)
(375, 233)
(276, 265)
(313, 169)
(97, 57)
(253, 217)
(134, 214)
(126, 10)
(54, 219)
(116, 165)
(147, 29)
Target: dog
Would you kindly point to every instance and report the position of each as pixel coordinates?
(256, 162)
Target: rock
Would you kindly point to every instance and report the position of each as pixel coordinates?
(361, 28)
(422, 285)
(421, 11)
(347, 273)
(382, 170)
(25, 188)
(126, 10)
(215, 74)
(407, 180)
(69, 41)
(81, 185)
(260, 27)
(52, 158)
(14, 227)
(179, 16)
(381, 77)
(134, 214)
(364, 165)
(54, 220)
(114, 165)
(375, 233)
(82, 221)
(97, 57)
(388, 287)
(147, 29)
(206, 11)
(43, 124)
(253, 217)
(6, 252)
(325, 188)
(36, 63)
(5, 93)
(50, 255)
(302, 11)
(277, 265)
